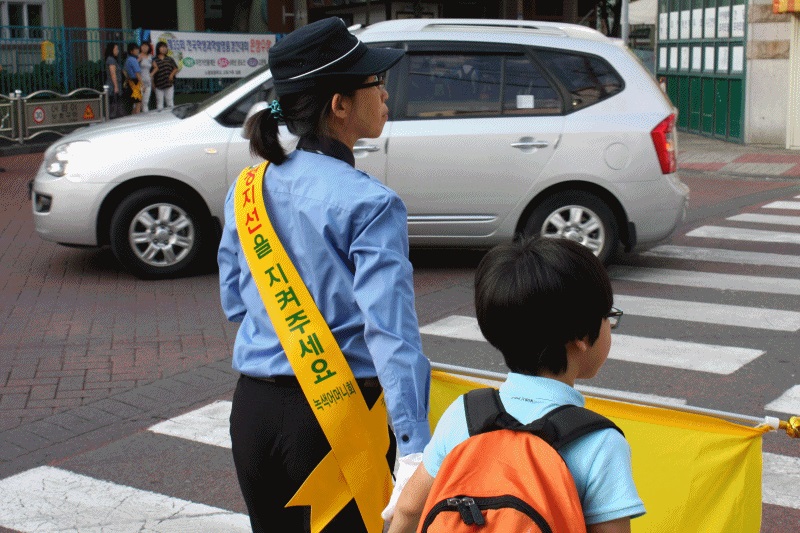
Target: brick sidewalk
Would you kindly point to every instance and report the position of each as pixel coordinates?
(72, 326)
(697, 153)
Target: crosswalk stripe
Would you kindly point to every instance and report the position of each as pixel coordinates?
(47, 499)
(661, 352)
(780, 483)
(706, 280)
(788, 402)
(783, 205)
(209, 425)
(720, 255)
(744, 234)
(682, 354)
(724, 315)
(758, 218)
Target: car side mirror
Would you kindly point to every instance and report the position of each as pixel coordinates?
(257, 107)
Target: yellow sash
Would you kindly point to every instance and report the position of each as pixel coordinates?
(356, 466)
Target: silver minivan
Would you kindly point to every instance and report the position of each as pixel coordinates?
(496, 128)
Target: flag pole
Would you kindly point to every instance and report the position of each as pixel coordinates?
(792, 426)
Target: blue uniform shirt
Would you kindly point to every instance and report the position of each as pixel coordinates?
(347, 235)
(132, 67)
(600, 462)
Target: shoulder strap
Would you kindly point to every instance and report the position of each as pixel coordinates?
(566, 423)
(485, 412)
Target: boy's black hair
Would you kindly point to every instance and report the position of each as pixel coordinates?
(132, 47)
(534, 295)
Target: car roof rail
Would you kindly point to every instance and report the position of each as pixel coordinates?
(538, 27)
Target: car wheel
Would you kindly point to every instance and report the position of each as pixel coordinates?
(579, 216)
(156, 233)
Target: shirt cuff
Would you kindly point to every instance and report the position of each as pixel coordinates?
(633, 511)
(412, 437)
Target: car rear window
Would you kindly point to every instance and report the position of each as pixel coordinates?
(589, 79)
(475, 85)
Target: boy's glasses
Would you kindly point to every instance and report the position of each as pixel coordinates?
(379, 81)
(614, 316)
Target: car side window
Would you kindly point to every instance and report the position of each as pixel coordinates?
(234, 116)
(526, 91)
(453, 85)
(590, 79)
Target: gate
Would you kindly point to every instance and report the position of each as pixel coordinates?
(701, 57)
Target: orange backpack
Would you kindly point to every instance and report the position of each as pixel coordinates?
(508, 477)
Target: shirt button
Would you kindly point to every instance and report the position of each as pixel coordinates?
(405, 438)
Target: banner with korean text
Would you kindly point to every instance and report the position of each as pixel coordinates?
(215, 55)
(693, 472)
(785, 6)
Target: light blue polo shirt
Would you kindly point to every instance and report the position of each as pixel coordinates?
(600, 462)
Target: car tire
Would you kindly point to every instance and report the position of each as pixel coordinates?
(156, 233)
(579, 216)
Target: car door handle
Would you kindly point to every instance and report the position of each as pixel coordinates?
(530, 144)
(366, 148)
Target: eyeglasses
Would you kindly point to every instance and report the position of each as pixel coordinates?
(614, 316)
(379, 81)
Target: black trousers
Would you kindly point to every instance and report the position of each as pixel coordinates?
(277, 442)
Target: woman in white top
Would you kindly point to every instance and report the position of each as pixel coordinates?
(146, 62)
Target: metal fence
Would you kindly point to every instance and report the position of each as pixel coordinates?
(59, 59)
(23, 118)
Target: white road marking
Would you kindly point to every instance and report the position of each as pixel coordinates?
(681, 354)
(744, 234)
(661, 352)
(783, 205)
(209, 425)
(780, 480)
(720, 255)
(788, 402)
(725, 315)
(47, 499)
(707, 280)
(766, 219)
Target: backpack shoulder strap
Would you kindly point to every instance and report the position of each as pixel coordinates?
(485, 412)
(566, 423)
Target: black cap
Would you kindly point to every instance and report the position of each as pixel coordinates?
(319, 53)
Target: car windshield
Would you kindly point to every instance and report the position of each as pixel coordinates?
(188, 110)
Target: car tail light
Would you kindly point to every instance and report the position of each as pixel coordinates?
(664, 141)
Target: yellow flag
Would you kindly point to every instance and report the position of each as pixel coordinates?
(693, 472)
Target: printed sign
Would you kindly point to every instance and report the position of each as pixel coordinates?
(674, 25)
(697, 23)
(215, 55)
(711, 23)
(662, 26)
(737, 28)
(723, 21)
(64, 112)
(686, 24)
(38, 115)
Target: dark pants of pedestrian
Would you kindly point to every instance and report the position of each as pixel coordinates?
(277, 442)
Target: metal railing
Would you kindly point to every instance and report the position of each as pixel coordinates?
(45, 111)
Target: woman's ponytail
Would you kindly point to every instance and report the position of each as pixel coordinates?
(262, 130)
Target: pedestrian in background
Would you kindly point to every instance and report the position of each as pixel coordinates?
(146, 64)
(133, 72)
(164, 76)
(114, 81)
(347, 235)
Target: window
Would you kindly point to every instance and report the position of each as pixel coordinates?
(588, 78)
(234, 116)
(460, 85)
(22, 16)
(526, 91)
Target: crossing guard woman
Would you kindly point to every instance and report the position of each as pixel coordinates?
(315, 267)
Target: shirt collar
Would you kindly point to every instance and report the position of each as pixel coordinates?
(540, 388)
(327, 146)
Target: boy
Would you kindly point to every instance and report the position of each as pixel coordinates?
(546, 304)
(133, 73)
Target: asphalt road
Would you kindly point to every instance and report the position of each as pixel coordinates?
(91, 358)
